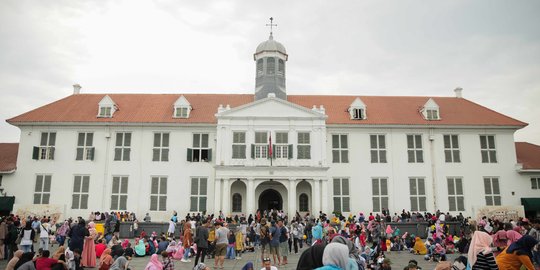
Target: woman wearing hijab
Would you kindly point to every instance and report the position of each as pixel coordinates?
(355, 260)
(58, 254)
(480, 254)
(512, 236)
(419, 247)
(140, 249)
(106, 260)
(311, 258)
(16, 257)
(154, 263)
(121, 263)
(248, 266)
(89, 250)
(335, 257)
(77, 235)
(518, 254)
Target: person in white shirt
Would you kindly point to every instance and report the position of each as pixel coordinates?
(267, 265)
(44, 235)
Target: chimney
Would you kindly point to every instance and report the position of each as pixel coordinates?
(76, 89)
(458, 91)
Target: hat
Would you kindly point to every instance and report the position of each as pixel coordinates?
(266, 259)
(387, 261)
(263, 221)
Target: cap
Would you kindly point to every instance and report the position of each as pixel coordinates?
(266, 259)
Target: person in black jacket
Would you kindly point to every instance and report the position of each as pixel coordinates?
(201, 239)
(77, 235)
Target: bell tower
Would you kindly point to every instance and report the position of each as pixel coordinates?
(270, 57)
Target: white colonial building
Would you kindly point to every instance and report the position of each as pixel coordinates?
(238, 153)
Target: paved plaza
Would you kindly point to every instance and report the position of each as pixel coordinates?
(399, 261)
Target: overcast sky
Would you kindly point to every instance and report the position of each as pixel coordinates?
(427, 48)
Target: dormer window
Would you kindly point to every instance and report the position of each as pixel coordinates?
(430, 110)
(357, 110)
(182, 108)
(107, 107)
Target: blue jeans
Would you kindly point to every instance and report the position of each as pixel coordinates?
(231, 253)
(536, 257)
(186, 253)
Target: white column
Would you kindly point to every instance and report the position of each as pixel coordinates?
(315, 198)
(250, 194)
(226, 195)
(292, 198)
(324, 196)
(217, 195)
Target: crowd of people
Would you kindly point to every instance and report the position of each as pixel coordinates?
(324, 242)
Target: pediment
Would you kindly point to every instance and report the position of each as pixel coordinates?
(271, 108)
(431, 104)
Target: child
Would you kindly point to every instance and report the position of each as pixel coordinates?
(239, 244)
(168, 263)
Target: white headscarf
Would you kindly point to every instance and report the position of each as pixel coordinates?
(336, 254)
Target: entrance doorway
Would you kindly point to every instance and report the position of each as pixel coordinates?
(270, 199)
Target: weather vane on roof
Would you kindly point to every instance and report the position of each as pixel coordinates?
(271, 26)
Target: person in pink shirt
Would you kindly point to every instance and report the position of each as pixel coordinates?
(100, 247)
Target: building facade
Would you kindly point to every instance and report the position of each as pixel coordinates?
(157, 153)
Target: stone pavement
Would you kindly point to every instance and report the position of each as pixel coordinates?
(399, 259)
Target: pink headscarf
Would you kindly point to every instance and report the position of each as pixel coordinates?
(125, 243)
(512, 236)
(154, 262)
(481, 242)
(439, 249)
(499, 239)
(389, 230)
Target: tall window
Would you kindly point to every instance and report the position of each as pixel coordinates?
(270, 65)
(487, 145)
(281, 147)
(198, 195)
(414, 149)
(239, 145)
(340, 151)
(160, 152)
(200, 152)
(456, 200)
(378, 148)
(42, 191)
(418, 194)
(379, 188)
(451, 149)
(81, 185)
(237, 202)
(304, 202)
(535, 183)
(304, 146)
(341, 195)
(158, 194)
(493, 194)
(260, 67)
(46, 146)
(260, 149)
(122, 149)
(281, 67)
(119, 193)
(85, 151)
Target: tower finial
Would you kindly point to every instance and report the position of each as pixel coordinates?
(271, 27)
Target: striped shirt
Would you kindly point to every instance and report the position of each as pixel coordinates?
(485, 261)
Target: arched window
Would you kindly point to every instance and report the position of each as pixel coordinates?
(237, 202)
(304, 205)
(281, 67)
(259, 67)
(270, 65)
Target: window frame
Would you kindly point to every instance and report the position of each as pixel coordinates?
(271, 65)
(160, 152)
(303, 202)
(106, 111)
(489, 152)
(160, 206)
(281, 147)
(303, 148)
(86, 150)
(44, 191)
(380, 152)
(454, 195)
(340, 154)
(491, 196)
(452, 153)
(415, 154)
(181, 111)
(432, 114)
(416, 195)
(339, 197)
(535, 182)
(239, 145)
(122, 152)
(383, 199)
(261, 148)
(200, 153)
(82, 195)
(120, 195)
(47, 148)
(237, 202)
(198, 196)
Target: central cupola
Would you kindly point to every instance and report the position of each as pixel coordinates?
(270, 57)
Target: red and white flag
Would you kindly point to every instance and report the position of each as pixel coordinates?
(270, 146)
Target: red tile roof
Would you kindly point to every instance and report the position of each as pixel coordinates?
(8, 157)
(528, 154)
(158, 108)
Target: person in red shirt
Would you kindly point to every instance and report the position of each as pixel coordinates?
(46, 263)
(100, 247)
